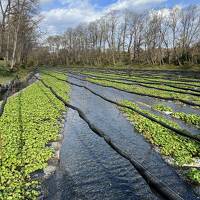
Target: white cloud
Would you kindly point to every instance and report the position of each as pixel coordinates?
(137, 5)
(59, 19)
(68, 16)
(73, 12)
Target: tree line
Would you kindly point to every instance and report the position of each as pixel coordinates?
(18, 35)
(168, 36)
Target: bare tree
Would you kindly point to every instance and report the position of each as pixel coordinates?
(150, 37)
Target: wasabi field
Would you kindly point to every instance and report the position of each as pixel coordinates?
(102, 134)
(99, 100)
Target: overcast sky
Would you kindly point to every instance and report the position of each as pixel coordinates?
(58, 15)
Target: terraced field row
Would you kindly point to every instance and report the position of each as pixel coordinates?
(29, 123)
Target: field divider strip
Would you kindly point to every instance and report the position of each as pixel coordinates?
(151, 180)
(177, 131)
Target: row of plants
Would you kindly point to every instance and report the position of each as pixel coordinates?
(166, 88)
(147, 91)
(60, 87)
(143, 79)
(182, 150)
(173, 87)
(168, 76)
(28, 124)
(187, 118)
(171, 77)
(176, 82)
(162, 108)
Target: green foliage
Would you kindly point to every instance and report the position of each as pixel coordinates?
(29, 123)
(182, 150)
(194, 175)
(162, 108)
(188, 118)
(60, 87)
(147, 91)
(145, 80)
(6, 75)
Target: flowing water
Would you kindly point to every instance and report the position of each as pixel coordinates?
(90, 169)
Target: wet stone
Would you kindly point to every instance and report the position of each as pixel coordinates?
(56, 145)
(50, 169)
